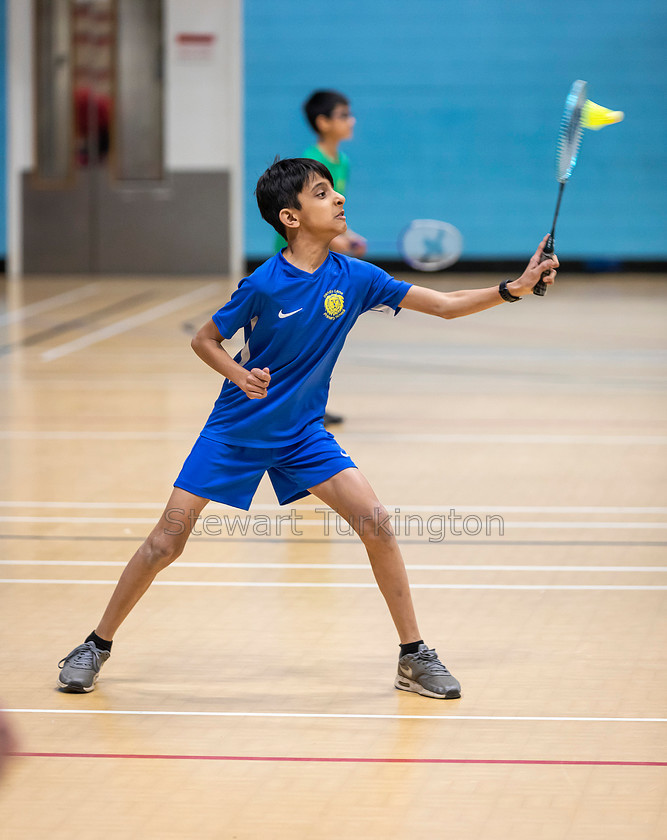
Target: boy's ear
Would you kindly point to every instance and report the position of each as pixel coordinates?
(289, 218)
(322, 123)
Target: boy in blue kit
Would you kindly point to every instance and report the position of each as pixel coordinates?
(296, 311)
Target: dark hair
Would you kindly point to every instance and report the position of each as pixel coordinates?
(321, 103)
(280, 185)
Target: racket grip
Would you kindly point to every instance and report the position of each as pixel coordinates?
(540, 288)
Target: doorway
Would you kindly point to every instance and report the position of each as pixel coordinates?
(100, 199)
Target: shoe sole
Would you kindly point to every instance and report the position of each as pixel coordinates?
(404, 684)
(73, 688)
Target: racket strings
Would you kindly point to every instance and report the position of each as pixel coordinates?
(571, 130)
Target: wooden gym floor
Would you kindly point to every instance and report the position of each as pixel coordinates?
(250, 694)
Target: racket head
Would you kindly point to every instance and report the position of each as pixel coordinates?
(571, 129)
(430, 245)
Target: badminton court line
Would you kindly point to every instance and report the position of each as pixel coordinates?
(411, 567)
(344, 759)
(54, 302)
(28, 434)
(130, 322)
(347, 759)
(250, 584)
(588, 440)
(336, 715)
(144, 520)
(395, 508)
(485, 542)
(370, 438)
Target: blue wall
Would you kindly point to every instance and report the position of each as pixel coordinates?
(3, 131)
(458, 107)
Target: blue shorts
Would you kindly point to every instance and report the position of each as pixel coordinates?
(231, 474)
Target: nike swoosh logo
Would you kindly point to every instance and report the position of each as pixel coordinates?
(282, 314)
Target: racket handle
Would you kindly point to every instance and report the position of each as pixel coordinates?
(540, 288)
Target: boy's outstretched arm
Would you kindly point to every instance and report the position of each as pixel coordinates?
(207, 344)
(469, 301)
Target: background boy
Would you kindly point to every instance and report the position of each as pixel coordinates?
(328, 114)
(296, 310)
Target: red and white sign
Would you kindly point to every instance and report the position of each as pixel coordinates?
(195, 46)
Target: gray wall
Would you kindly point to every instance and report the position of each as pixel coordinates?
(180, 226)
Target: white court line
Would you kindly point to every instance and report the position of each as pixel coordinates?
(414, 437)
(129, 323)
(334, 715)
(298, 523)
(344, 566)
(54, 302)
(368, 437)
(59, 434)
(391, 509)
(254, 584)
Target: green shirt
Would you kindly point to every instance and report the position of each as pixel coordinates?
(340, 172)
(340, 169)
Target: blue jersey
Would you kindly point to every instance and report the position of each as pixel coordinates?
(295, 324)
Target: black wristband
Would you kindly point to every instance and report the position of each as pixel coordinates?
(505, 293)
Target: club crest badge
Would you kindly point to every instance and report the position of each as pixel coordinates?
(334, 304)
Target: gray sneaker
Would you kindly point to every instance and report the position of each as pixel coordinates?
(424, 673)
(80, 669)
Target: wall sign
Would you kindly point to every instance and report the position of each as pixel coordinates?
(195, 46)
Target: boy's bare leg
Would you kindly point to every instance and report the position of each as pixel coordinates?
(80, 669)
(163, 545)
(352, 497)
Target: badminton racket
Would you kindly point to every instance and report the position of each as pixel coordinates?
(430, 245)
(569, 138)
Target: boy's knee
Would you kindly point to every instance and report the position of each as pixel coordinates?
(161, 550)
(375, 525)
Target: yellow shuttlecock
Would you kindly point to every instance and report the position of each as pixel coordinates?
(597, 116)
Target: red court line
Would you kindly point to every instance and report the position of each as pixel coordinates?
(344, 760)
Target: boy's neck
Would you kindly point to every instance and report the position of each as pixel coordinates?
(306, 255)
(329, 147)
